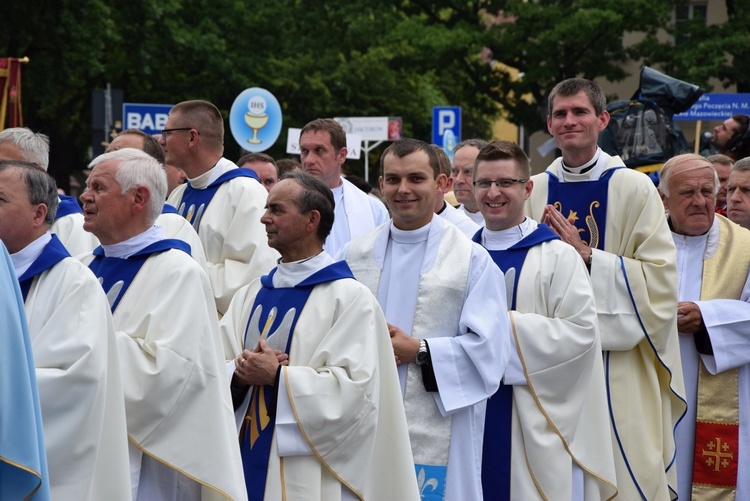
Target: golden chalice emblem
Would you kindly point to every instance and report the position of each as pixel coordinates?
(256, 118)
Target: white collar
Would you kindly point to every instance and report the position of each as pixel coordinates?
(23, 259)
(128, 247)
(503, 239)
(290, 274)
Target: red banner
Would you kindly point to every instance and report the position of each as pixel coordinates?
(11, 112)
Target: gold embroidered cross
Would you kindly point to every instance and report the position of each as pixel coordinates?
(716, 457)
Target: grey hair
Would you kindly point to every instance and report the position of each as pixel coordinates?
(40, 186)
(666, 170)
(742, 164)
(476, 143)
(138, 168)
(34, 146)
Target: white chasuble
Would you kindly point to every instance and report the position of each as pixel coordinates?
(340, 431)
(634, 278)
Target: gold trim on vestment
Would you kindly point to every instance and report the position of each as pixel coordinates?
(549, 420)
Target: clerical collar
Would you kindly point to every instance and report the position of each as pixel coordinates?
(290, 274)
(585, 167)
(211, 174)
(24, 258)
(410, 236)
(128, 247)
(503, 239)
(442, 209)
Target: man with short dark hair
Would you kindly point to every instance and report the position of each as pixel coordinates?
(615, 220)
(322, 152)
(443, 208)
(713, 318)
(444, 300)
(464, 156)
(738, 193)
(723, 166)
(177, 404)
(221, 201)
(263, 165)
(347, 436)
(546, 433)
(731, 138)
(74, 344)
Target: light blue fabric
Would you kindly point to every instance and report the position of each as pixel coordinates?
(23, 460)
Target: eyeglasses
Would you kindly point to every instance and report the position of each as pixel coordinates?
(164, 132)
(500, 183)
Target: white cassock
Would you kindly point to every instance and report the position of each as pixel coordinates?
(230, 230)
(560, 442)
(356, 213)
(340, 424)
(78, 373)
(177, 403)
(69, 229)
(436, 284)
(728, 325)
(459, 218)
(634, 279)
(477, 216)
(175, 226)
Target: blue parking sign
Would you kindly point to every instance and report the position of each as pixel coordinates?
(446, 127)
(149, 118)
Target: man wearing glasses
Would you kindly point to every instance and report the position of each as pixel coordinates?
(222, 202)
(614, 218)
(556, 445)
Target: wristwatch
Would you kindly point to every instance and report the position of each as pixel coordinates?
(422, 356)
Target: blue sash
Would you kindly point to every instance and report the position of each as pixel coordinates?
(585, 202)
(116, 274)
(169, 209)
(496, 450)
(194, 201)
(275, 313)
(68, 205)
(53, 253)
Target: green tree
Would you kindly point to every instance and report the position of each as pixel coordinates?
(550, 40)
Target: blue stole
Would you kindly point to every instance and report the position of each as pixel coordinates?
(53, 253)
(68, 205)
(275, 313)
(586, 197)
(194, 201)
(116, 274)
(496, 450)
(169, 209)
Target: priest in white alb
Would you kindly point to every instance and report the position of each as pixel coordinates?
(177, 405)
(614, 218)
(713, 318)
(547, 432)
(444, 300)
(311, 369)
(222, 202)
(73, 341)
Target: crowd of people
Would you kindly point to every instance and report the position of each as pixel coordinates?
(194, 328)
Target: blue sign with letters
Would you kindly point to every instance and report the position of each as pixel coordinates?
(717, 107)
(446, 127)
(149, 118)
(255, 119)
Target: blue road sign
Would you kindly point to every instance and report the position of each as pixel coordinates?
(150, 118)
(446, 127)
(717, 107)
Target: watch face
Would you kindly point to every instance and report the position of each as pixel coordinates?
(421, 357)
